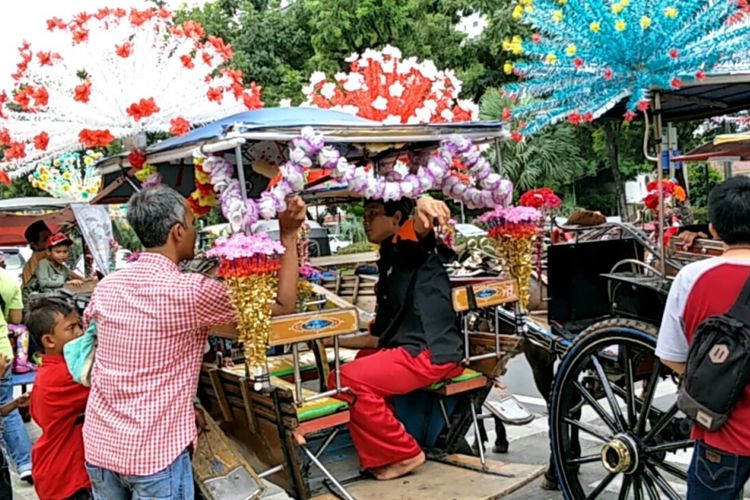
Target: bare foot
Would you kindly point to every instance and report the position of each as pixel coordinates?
(398, 469)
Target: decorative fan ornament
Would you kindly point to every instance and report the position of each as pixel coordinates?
(589, 55)
(382, 86)
(116, 74)
(71, 177)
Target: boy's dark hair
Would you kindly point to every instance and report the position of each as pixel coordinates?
(34, 230)
(404, 205)
(42, 316)
(729, 210)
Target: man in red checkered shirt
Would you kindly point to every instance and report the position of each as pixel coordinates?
(153, 324)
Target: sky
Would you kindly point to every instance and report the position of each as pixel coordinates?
(26, 20)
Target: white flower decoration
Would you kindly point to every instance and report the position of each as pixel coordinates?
(381, 103)
(396, 89)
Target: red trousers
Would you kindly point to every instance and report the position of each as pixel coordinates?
(378, 435)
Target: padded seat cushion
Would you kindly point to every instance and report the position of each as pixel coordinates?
(466, 375)
(314, 409)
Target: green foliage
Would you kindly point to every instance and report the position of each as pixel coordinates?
(361, 247)
(702, 179)
(550, 159)
(353, 229)
(18, 189)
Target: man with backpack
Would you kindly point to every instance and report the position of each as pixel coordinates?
(704, 337)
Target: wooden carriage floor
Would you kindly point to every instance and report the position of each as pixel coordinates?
(439, 480)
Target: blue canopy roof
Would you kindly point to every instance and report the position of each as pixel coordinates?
(267, 117)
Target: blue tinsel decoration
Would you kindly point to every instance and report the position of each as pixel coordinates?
(589, 55)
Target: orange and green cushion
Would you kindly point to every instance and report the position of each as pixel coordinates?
(314, 409)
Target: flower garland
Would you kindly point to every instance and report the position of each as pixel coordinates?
(310, 149)
(203, 199)
(514, 230)
(249, 266)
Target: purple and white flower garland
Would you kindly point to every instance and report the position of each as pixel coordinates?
(433, 173)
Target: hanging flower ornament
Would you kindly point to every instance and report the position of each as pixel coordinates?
(514, 230)
(672, 194)
(115, 74)
(203, 199)
(249, 266)
(383, 86)
(589, 55)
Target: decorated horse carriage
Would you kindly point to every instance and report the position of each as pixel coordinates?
(611, 402)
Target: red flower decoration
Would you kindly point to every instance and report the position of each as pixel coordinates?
(41, 141)
(517, 136)
(608, 74)
(102, 13)
(4, 137)
(507, 114)
(124, 50)
(224, 49)
(95, 138)
(578, 62)
(82, 92)
(136, 159)
(15, 151)
(644, 105)
(143, 109)
(119, 12)
(700, 75)
(215, 94)
(23, 99)
(179, 126)
(48, 58)
(193, 29)
(187, 61)
(541, 198)
(80, 35)
(55, 22)
(207, 58)
(674, 53)
(40, 96)
(574, 119)
(252, 100)
(4, 178)
(138, 17)
(676, 83)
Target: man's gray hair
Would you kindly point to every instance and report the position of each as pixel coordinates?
(153, 212)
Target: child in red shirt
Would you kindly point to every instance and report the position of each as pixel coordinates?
(57, 406)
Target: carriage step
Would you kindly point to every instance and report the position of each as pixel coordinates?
(504, 405)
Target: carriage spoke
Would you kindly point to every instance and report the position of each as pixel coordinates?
(596, 406)
(619, 419)
(654, 476)
(653, 494)
(625, 489)
(602, 484)
(637, 490)
(669, 468)
(662, 422)
(588, 429)
(629, 387)
(588, 459)
(673, 446)
(646, 406)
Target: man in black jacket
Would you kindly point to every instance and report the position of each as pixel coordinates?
(414, 341)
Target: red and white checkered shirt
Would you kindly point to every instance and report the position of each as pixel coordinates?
(152, 325)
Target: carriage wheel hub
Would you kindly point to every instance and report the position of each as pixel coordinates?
(620, 455)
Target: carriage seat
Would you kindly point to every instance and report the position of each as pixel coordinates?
(282, 366)
(311, 410)
(469, 380)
